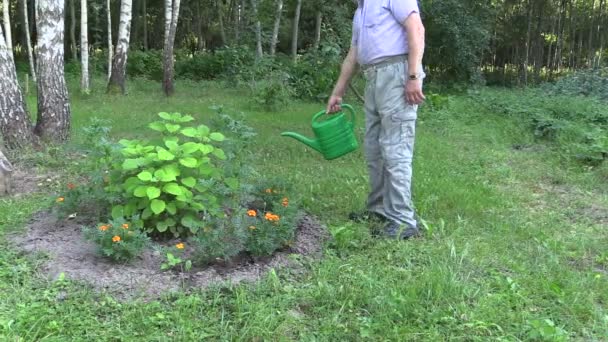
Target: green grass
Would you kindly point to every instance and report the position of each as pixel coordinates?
(509, 253)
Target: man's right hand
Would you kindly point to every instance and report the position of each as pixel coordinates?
(334, 104)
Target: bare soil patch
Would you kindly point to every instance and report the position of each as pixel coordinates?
(68, 253)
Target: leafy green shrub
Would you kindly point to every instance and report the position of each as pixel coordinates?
(117, 240)
(592, 83)
(147, 64)
(168, 184)
(273, 92)
(221, 239)
(203, 66)
(316, 73)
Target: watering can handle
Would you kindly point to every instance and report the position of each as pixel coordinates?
(350, 109)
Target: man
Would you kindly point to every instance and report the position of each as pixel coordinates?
(388, 45)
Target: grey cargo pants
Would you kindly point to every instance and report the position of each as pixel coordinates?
(389, 140)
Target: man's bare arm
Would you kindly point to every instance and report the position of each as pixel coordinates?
(415, 36)
(349, 66)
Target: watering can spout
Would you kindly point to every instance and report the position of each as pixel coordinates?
(314, 144)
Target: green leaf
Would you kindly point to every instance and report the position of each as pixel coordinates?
(130, 209)
(173, 189)
(190, 147)
(206, 169)
(168, 173)
(171, 209)
(188, 162)
(189, 182)
(164, 154)
(118, 212)
(158, 206)
(217, 136)
(153, 192)
(186, 118)
(219, 154)
(165, 115)
(146, 213)
(206, 149)
(232, 183)
(163, 225)
(190, 132)
(131, 164)
(141, 191)
(157, 126)
(203, 131)
(172, 128)
(171, 144)
(145, 176)
(190, 221)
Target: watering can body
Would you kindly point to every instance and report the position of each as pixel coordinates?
(334, 133)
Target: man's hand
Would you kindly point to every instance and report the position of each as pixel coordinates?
(413, 92)
(334, 104)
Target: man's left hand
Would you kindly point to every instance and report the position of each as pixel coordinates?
(413, 92)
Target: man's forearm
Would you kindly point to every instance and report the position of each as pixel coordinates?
(346, 73)
(415, 36)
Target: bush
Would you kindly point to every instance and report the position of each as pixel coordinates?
(117, 240)
(592, 83)
(147, 64)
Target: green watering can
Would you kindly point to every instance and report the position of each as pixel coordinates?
(334, 134)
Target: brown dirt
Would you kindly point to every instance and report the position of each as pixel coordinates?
(25, 183)
(70, 254)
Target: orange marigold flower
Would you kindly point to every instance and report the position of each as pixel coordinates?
(60, 199)
(268, 191)
(104, 228)
(285, 202)
(125, 225)
(271, 217)
(251, 213)
(180, 245)
(71, 186)
(116, 238)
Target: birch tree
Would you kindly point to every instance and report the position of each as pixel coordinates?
(7, 24)
(294, 36)
(84, 46)
(110, 46)
(53, 102)
(26, 27)
(168, 63)
(258, 29)
(15, 125)
(119, 61)
(277, 24)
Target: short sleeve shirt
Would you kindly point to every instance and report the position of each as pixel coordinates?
(378, 30)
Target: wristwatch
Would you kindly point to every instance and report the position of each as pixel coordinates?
(414, 77)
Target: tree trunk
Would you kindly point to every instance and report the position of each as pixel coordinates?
(168, 64)
(110, 45)
(28, 40)
(84, 46)
(199, 28)
(168, 16)
(119, 62)
(6, 170)
(318, 22)
(527, 52)
(7, 24)
(145, 23)
(258, 29)
(601, 34)
(220, 17)
(275, 30)
(73, 45)
(294, 35)
(591, 29)
(15, 125)
(53, 102)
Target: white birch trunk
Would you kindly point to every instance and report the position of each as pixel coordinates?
(168, 62)
(53, 101)
(84, 46)
(6, 170)
(15, 125)
(258, 29)
(26, 27)
(7, 24)
(318, 22)
(168, 16)
(275, 30)
(110, 46)
(294, 36)
(119, 62)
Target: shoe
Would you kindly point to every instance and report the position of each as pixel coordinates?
(367, 216)
(393, 230)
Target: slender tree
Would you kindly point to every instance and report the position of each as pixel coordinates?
(84, 46)
(168, 63)
(7, 24)
(119, 62)
(258, 29)
(294, 35)
(277, 24)
(28, 40)
(15, 125)
(53, 101)
(110, 45)
(73, 44)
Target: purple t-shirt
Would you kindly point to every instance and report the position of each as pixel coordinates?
(378, 30)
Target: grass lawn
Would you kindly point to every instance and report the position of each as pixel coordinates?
(515, 246)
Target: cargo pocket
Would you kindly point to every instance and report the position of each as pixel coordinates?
(398, 138)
